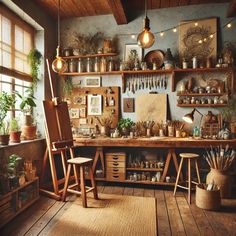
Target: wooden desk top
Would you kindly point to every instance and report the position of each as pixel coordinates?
(164, 142)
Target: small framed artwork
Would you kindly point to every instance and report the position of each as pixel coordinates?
(94, 104)
(83, 121)
(133, 49)
(80, 100)
(74, 113)
(82, 112)
(94, 81)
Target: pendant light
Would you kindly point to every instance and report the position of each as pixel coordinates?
(59, 65)
(146, 38)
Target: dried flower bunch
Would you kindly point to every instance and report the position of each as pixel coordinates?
(220, 158)
(87, 44)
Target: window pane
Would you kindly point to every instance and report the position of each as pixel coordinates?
(6, 30)
(6, 87)
(27, 42)
(6, 59)
(19, 39)
(19, 64)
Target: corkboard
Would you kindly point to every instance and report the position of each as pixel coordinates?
(79, 100)
(151, 107)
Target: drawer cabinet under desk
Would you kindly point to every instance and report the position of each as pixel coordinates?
(115, 166)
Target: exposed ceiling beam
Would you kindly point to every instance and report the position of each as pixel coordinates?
(118, 11)
(231, 9)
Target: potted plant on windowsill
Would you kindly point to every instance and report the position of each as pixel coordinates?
(7, 101)
(15, 131)
(27, 104)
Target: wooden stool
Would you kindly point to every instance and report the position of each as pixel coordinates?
(189, 157)
(80, 162)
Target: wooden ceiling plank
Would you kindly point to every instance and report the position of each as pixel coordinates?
(231, 9)
(118, 11)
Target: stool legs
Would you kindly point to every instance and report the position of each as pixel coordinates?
(66, 182)
(82, 187)
(189, 181)
(178, 175)
(95, 193)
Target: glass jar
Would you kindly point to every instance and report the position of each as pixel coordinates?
(103, 65)
(96, 65)
(89, 65)
(110, 65)
(72, 66)
(79, 66)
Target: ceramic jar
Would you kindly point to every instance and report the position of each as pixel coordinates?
(222, 180)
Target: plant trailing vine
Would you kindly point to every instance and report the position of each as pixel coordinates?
(34, 58)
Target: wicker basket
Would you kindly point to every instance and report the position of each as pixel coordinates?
(208, 200)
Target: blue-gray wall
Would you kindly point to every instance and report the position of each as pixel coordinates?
(160, 20)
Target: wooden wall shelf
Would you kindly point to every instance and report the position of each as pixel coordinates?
(201, 94)
(92, 55)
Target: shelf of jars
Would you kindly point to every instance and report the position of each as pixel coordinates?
(91, 56)
(201, 94)
(201, 105)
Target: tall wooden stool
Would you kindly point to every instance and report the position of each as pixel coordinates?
(189, 157)
(81, 163)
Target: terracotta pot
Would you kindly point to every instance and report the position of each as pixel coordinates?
(28, 120)
(15, 136)
(29, 132)
(4, 139)
(222, 180)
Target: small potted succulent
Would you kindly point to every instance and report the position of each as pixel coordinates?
(15, 131)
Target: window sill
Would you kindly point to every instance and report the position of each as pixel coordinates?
(22, 143)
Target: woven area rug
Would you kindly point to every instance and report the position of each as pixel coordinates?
(110, 215)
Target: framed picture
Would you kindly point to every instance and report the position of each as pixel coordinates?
(94, 81)
(82, 112)
(132, 49)
(94, 104)
(74, 113)
(198, 39)
(80, 100)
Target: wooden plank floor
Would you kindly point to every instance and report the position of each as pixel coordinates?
(174, 215)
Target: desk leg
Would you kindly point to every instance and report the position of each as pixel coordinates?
(99, 153)
(171, 154)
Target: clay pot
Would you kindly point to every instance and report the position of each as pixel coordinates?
(15, 136)
(222, 180)
(28, 120)
(4, 139)
(29, 132)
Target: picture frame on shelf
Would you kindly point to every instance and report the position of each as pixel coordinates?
(80, 100)
(129, 47)
(95, 104)
(74, 113)
(93, 81)
(82, 112)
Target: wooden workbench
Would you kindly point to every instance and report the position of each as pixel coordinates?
(155, 142)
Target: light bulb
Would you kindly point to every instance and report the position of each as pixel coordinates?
(229, 25)
(59, 65)
(146, 39)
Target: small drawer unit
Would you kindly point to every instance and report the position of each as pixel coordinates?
(115, 166)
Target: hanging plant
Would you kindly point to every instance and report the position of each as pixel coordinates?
(67, 86)
(34, 58)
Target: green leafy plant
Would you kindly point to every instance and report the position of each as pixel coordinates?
(229, 112)
(125, 123)
(27, 101)
(34, 58)
(4, 130)
(7, 101)
(14, 126)
(67, 86)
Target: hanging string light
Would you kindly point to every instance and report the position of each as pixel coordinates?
(59, 65)
(146, 38)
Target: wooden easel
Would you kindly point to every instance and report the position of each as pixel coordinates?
(57, 130)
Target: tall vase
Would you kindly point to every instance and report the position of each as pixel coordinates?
(221, 179)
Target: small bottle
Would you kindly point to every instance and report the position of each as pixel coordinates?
(72, 66)
(103, 65)
(111, 101)
(194, 62)
(110, 65)
(79, 66)
(96, 65)
(185, 64)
